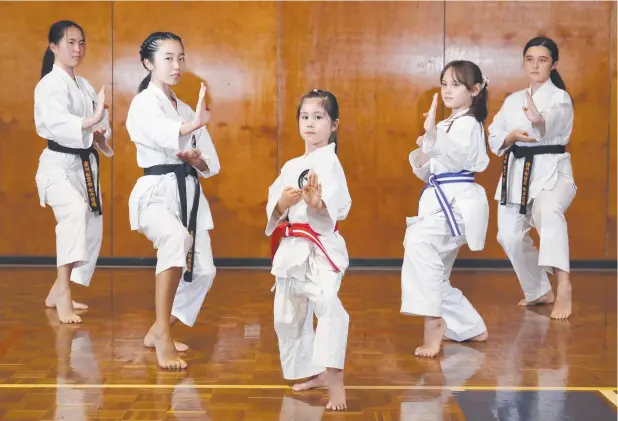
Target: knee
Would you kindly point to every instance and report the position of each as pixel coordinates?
(509, 238)
(546, 212)
(331, 307)
(76, 213)
(176, 239)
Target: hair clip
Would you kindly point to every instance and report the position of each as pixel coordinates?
(485, 81)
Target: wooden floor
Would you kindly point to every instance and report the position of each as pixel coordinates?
(532, 368)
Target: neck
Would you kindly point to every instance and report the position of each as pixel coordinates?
(67, 69)
(534, 86)
(311, 148)
(460, 109)
(164, 87)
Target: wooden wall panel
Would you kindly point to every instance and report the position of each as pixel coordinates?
(613, 135)
(380, 60)
(472, 33)
(23, 46)
(224, 50)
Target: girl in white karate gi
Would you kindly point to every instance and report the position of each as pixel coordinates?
(537, 186)
(304, 206)
(70, 115)
(167, 204)
(452, 211)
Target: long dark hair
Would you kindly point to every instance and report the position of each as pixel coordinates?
(469, 74)
(331, 106)
(56, 33)
(148, 49)
(552, 47)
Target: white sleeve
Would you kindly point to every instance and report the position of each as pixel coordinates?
(146, 116)
(336, 198)
(104, 123)
(453, 149)
(419, 161)
(209, 154)
(498, 132)
(558, 120)
(51, 109)
(274, 194)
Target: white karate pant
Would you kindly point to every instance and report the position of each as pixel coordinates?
(172, 241)
(430, 251)
(303, 352)
(79, 232)
(546, 214)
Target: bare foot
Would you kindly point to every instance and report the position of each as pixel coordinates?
(149, 342)
(434, 331)
(166, 352)
(64, 307)
(315, 382)
(336, 390)
(544, 299)
(478, 338)
(562, 307)
(52, 298)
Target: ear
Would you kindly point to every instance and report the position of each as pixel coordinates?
(334, 126)
(554, 65)
(53, 47)
(476, 89)
(148, 65)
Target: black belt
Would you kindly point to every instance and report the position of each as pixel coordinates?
(94, 194)
(182, 171)
(527, 153)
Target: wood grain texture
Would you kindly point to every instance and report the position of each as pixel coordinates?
(613, 141)
(372, 58)
(498, 50)
(233, 343)
(381, 59)
(240, 71)
(23, 47)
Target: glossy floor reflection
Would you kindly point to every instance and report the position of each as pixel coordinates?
(531, 368)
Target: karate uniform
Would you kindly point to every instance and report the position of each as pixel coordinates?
(60, 105)
(155, 207)
(452, 211)
(306, 279)
(549, 194)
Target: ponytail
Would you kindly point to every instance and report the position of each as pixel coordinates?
(556, 79)
(479, 105)
(144, 83)
(333, 139)
(48, 62)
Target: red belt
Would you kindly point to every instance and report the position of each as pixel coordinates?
(288, 229)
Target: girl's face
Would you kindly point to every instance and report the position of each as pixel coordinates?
(169, 62)
(538, 64)
(455, 95)
(314, 124)
(71, 49)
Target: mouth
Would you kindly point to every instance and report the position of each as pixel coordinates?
(176, 75)
(310, 133)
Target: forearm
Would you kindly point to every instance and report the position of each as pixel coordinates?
(188, 127)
